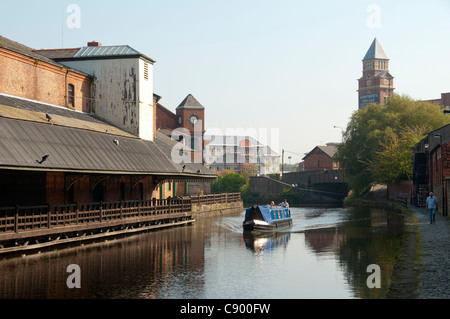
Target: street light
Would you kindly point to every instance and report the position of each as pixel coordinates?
(342, 132)
(444, 195)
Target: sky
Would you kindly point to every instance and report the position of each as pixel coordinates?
(284, 71)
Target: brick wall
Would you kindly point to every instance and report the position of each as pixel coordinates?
(165, 118)
(29, 78)
(318, 161)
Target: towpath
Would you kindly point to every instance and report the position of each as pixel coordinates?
(423, 267)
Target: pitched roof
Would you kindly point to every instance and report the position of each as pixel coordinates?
(166, 144)
(93, 52)
(22, 49)
(34, 54)
(190, 102)
(375, 52)
(76, 142)
(329, 150)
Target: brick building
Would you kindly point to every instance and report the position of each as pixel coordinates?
(58, 141)
(28, 74)
(320, 158)
(431, 167)
(444, 101)
(376, 83)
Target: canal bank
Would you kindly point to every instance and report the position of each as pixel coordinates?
(421, 271)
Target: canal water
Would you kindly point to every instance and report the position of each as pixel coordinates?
(326, 254)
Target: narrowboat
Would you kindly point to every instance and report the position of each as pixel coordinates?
(267, 218)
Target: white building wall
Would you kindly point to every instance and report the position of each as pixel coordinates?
(145, 93)
(121, 95)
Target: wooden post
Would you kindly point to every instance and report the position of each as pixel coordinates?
(16, 219)
(49, 216)
(76, 213)
(101, 211)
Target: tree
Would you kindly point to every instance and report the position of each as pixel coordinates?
(249, 170)
(230, 183)
(377, 142)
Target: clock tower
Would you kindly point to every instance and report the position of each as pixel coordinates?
(191, 116)
(376, 84)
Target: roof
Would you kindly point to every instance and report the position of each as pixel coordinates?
(23, 144)
(76, 142)
(35, 54)
(166, 144)
(235, 141)
(190, 102)
(28, 110)
(58, 53)
(22, 49)
(93, 52)
(375, 52)
(329, 150)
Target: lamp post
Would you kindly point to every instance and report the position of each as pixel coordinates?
(342, 132)
(444, 193)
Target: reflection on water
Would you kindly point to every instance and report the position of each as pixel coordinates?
(324, 255)
(258, 242)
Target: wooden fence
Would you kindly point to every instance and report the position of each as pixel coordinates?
(20, 219)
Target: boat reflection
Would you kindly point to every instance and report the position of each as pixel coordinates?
(266, 241)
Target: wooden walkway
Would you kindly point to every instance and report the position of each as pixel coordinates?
(25, 228)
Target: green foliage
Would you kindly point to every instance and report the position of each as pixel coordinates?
(292, 196)
(230, 183)
(378, 139)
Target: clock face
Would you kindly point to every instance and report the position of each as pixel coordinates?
(193, 119)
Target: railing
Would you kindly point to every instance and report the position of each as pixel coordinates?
(27, 218)
(402, 199)
(215, 198)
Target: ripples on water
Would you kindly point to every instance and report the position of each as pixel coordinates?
(324, 255)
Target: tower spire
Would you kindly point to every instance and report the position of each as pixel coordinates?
(376, 84)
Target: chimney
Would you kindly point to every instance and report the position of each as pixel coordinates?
(94, 44)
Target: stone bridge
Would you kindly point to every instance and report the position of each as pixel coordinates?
(319, 188)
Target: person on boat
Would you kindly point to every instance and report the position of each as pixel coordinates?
(272, 204)
(284, 204)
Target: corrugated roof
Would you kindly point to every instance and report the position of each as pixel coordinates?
(166, 144)
(375, 52)
(77, 142)
(24, 143)
(105, 51)
(92, 52)
(28, 110)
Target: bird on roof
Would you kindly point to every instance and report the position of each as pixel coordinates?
(184, 167)
(199, 171)
(43, 159)
(48, 116)
(116, 141)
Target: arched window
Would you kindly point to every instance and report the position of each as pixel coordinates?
(71, 95)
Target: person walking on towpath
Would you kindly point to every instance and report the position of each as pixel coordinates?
(432, 206)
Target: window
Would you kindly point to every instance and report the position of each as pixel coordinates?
(146, 71)
(71, 95)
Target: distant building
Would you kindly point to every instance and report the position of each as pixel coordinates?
(320, 158)
(444, 101)
(234, 152)
(376, 83)
(188, 122)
